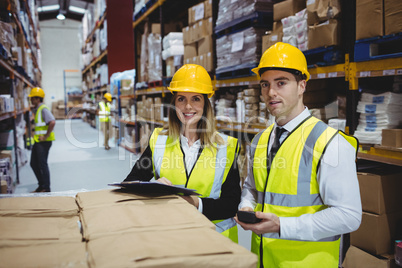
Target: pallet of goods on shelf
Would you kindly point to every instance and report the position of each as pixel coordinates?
(378, 29)
(314, 29)
(239, 52)
(197, 36)
(236, 15)
(377, 112)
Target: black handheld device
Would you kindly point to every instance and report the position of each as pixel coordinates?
(247, 216)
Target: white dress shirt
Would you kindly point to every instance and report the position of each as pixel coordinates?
(339, 190)
(190, 156)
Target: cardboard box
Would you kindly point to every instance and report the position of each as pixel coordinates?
(270, 39)
(206, 61)
(392, 16)
(205, 45)
(392, 138)
(379, 190)
(322, 10)
(94, 199)
(376, 234)
(39, 206)
(126, 87)
(186, 35)
(356, 257)
(195, 247)
(288, 8)
(50, 254)
(200, 11)
(141, 217)
(369, 18)
(190, 51)
(40, 228)
(325, 34)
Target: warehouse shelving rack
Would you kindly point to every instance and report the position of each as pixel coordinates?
(349, 70)
(17, 72)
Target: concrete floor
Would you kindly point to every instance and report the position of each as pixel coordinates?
(78, 162)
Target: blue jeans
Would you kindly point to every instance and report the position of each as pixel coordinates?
(40, 152)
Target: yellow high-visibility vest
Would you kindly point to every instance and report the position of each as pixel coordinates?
(40, 125)
(291, 190)
(207, 176)
(104, 111)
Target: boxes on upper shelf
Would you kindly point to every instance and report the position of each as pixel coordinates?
(369, 18)
(288, 8)
(322, 10)
(325, 34)
(392, 16)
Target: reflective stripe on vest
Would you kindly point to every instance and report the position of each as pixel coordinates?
(208, 174)
(294, 194)
(104, 111)
(40, 125)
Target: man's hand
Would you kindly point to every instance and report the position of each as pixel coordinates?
(42, 138)
(270, 223)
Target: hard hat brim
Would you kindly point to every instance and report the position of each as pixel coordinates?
(192, 90)
(256, 70)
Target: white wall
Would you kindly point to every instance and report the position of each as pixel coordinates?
(60, 48)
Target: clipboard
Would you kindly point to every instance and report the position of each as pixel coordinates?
(154, 187)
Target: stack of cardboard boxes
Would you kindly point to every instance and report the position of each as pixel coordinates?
(381, 221)
(112, 229)
(197, 37)
(377, 18)
(58, 109)
(305, 24)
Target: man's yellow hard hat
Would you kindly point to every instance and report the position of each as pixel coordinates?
(192, 78)
(108, 96)
(37, 92)
(283, 56)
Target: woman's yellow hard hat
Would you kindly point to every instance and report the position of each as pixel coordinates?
(283, 56)
(192, 78)
(37, 92)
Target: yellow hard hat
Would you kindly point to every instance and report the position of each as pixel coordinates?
(37, 92)
(108, 96)
(192, 78)
(282, 56)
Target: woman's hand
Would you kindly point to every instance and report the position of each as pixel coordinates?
(163, 180)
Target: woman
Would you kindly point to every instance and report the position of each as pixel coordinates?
(189, 152)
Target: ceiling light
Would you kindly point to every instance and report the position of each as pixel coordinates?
(61, 16)
(76, 9)
(48, 8)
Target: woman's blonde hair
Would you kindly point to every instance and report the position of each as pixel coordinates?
(205, 127)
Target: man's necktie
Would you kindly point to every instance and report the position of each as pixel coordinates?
(275, 146)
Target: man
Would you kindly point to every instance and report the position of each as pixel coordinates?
(302, 182)
(43, 137)
(104, 117)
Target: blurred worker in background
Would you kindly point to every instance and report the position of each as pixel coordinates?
(104, 117)
(43, 137)
(189, 152)
(302, 182)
